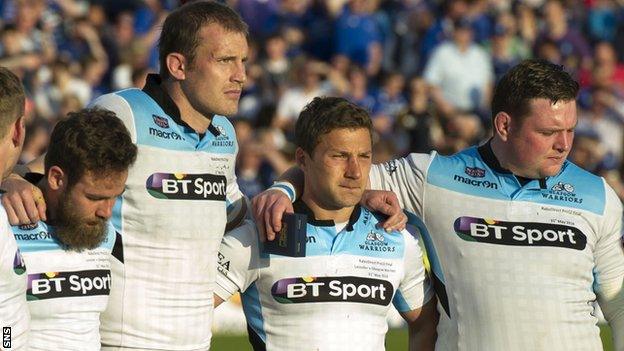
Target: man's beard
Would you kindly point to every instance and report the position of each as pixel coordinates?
(74, 231)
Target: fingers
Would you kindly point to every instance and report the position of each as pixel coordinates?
(13, 219)
(268, 208)
(35, 206)
(396, 222)
(387, 203)
(23, 201)
(257, 204)
(20, 207)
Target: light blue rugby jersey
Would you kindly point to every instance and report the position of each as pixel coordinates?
(335, 298)
(66, 291)
(171, 218)
(515, 265)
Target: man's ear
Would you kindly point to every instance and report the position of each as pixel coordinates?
(300, 157)
(176, 65)
(502, 125)
(19, 132)
(57, 179)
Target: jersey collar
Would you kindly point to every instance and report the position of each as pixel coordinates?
(486, 153)
(300, 207)
(153, 87)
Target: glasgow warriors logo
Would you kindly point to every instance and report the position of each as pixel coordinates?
(566, 187)
(375, 241)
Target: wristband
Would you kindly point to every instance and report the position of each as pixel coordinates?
(286, 188)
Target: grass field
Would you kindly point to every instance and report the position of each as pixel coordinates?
(395, 340)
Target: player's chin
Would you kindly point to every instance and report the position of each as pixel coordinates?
(349, 198)
(551, 170)
(230, 108)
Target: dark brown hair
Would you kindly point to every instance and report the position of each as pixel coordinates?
(90, 140)
(180, 32)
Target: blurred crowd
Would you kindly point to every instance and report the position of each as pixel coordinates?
(425, 69)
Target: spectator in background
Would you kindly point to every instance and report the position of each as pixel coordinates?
(528, 24)
(506, 48)
(443, 28)
(460, 73)
(358, 91)
(411, 24)
(358, 36)
(573, 47)
(36, 140)
(606, 118)
(63, 83)
(417, 119)
(276, 66)
(602, 20)
(389, 102)
(309, 75)
(604, 59)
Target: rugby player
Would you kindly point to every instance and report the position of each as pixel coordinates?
(521, 240)
(68, 256)
(181, 192)
(13, 310)
(338, 295)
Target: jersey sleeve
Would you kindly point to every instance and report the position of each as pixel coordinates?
(237, 204)
(237, 262)
(405, 177)
(609, 267)
(414, 290)
(122, 109)
(12, 314)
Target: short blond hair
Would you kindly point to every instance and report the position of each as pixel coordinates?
(12, 99)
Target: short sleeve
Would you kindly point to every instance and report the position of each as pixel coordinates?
(236, 262)
(414, 290)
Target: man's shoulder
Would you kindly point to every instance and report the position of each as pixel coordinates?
(574, 179)
(127, 103)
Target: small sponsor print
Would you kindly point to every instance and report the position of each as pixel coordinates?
(162, 122)
(519, 233)
(42, 235)
(29, 226)
(187, 186)
(475, 172)
(478, 183)
(390, 166)
(223, 264)
(333, 289)
(165, 135)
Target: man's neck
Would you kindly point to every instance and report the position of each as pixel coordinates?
(188, 114)
(323, 214)
(499, 149)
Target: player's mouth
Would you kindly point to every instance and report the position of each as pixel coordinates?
(233, 94)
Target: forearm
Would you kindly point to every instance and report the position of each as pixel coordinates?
(422, 327)
(613, 310)
(294, 176)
